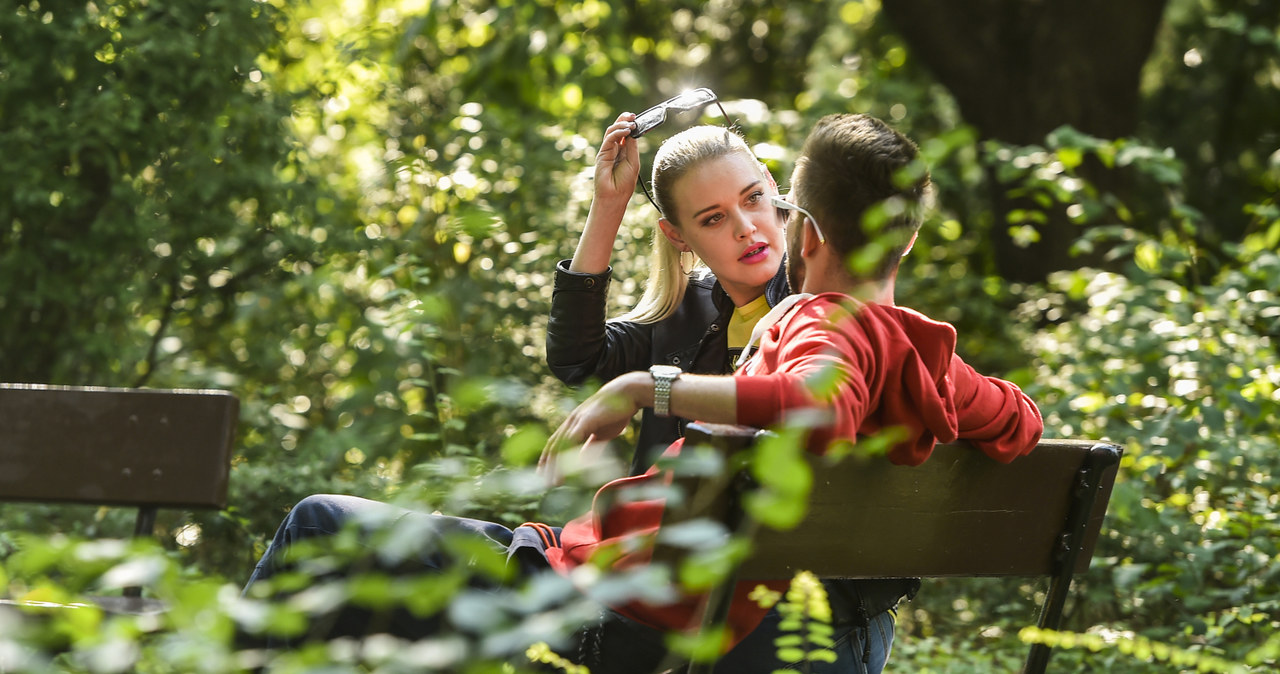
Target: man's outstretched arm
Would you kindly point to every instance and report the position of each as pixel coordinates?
(709, 398)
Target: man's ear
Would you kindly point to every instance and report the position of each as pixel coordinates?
(673, 235)
(809, 241)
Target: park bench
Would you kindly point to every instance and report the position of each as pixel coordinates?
(141, 448)
(959, 513)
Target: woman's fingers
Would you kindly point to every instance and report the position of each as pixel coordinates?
(622, 125)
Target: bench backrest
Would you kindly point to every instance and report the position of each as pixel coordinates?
(110, 446)
(959, 513)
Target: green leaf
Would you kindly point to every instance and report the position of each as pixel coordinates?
(525, 446)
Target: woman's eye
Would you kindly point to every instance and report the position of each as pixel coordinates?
(755, 197)
(712, 219)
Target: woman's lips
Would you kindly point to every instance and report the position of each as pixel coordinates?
(755, 253)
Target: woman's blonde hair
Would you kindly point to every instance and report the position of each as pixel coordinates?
(668, 275)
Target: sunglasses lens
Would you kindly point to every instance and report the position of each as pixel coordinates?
(692, 99)
(648, 119)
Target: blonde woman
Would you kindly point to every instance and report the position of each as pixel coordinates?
(717, 267)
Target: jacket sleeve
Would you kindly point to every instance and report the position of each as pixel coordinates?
(581, 343)
(993, 414)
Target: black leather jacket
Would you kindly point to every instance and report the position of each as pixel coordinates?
(582, 344)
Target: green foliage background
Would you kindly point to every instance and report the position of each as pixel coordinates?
(348, 213)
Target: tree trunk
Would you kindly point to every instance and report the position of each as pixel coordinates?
(1019, 69)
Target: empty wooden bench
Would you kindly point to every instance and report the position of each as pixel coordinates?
(958, 514)
(139, 448)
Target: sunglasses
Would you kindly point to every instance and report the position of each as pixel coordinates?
(780, 202)
(690, 101)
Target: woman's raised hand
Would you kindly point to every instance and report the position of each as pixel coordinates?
(617, 168)
(618, 163)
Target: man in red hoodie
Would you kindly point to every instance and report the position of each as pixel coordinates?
(840, 352)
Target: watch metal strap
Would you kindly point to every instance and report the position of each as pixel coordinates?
(662, 395)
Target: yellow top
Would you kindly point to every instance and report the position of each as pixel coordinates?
(743, 321)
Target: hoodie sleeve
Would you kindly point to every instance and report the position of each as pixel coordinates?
(993, 414)
(804, 366)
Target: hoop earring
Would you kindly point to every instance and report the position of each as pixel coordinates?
(680, 258)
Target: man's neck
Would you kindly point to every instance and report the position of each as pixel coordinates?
(875, 292)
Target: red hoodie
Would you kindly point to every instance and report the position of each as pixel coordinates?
(878, 366)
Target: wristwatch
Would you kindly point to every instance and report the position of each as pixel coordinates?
(663, 376)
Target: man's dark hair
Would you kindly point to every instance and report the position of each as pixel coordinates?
(861, 179)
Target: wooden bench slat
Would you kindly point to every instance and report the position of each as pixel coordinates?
(958, 514)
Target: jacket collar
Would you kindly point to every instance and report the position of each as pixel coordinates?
(776, 290)
(778, 287)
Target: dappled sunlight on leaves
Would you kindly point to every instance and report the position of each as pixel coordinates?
(349, 214)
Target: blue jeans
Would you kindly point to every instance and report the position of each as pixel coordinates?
(324, 515)
(618, 645)
(852, 644)
(612, 644)
(399, 542)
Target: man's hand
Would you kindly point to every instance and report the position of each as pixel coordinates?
(600, 418)
(603, 416)
(593, 462)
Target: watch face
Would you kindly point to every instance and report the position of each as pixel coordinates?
(665, 370)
